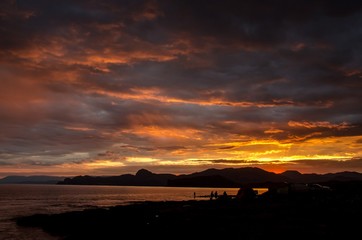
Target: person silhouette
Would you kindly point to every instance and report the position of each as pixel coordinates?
(225, 196)
(215, 195)
(211, 195)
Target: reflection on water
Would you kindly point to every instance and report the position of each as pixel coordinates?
(261, 190)
(21, 200)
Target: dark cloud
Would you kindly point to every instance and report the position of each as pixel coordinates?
(354, 164)
(168, 79)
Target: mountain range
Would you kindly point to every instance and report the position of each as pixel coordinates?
(227, 177)
(31, 180)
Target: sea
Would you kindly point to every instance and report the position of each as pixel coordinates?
(27, 199)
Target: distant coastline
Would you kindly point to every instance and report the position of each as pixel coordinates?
(36, 179)
(227, 177)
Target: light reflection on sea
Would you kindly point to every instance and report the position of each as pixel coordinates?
(27, 199)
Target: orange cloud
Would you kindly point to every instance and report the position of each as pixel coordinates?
(156, 94)
(161, 132)
(323, 124)
(273, 131)
(82, 129)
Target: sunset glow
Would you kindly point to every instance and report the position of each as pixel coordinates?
(110, 87)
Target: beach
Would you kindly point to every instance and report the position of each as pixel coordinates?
(329, 215)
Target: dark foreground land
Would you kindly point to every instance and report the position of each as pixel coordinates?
(310, 215)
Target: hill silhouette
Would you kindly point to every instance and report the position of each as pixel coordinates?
(40, 179)
(142, 178)
(227, 177)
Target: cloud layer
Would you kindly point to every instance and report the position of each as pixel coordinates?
(116, 85)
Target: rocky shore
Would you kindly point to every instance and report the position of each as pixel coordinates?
(316, 215)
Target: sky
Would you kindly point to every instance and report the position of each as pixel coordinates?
(109, 87)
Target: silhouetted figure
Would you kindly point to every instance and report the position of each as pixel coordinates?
(224, 197)
(216, 195)
(194, 195)
(211, 195)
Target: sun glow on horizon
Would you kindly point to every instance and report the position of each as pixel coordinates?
(102, 164)
(142, 87)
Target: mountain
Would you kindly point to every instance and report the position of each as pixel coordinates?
(30, 180)
(242, 175)
(227, 177)
(142, 178)
(202, 181)
(297, 177)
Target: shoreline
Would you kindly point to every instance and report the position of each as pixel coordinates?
(300, 216)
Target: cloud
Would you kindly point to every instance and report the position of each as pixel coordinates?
(168, 79)
(354, 164)
(324, 124)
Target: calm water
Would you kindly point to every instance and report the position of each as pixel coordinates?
(23, 200)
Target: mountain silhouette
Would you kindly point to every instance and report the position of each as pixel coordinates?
(202, 181)
(142, 178)
(242, 175)
(30, 179)
(295, 176)
(227, 177)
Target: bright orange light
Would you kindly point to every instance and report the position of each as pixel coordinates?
(102, 163)
(159, 132)
(81, 129)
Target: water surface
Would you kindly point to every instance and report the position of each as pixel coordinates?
(27, 199)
